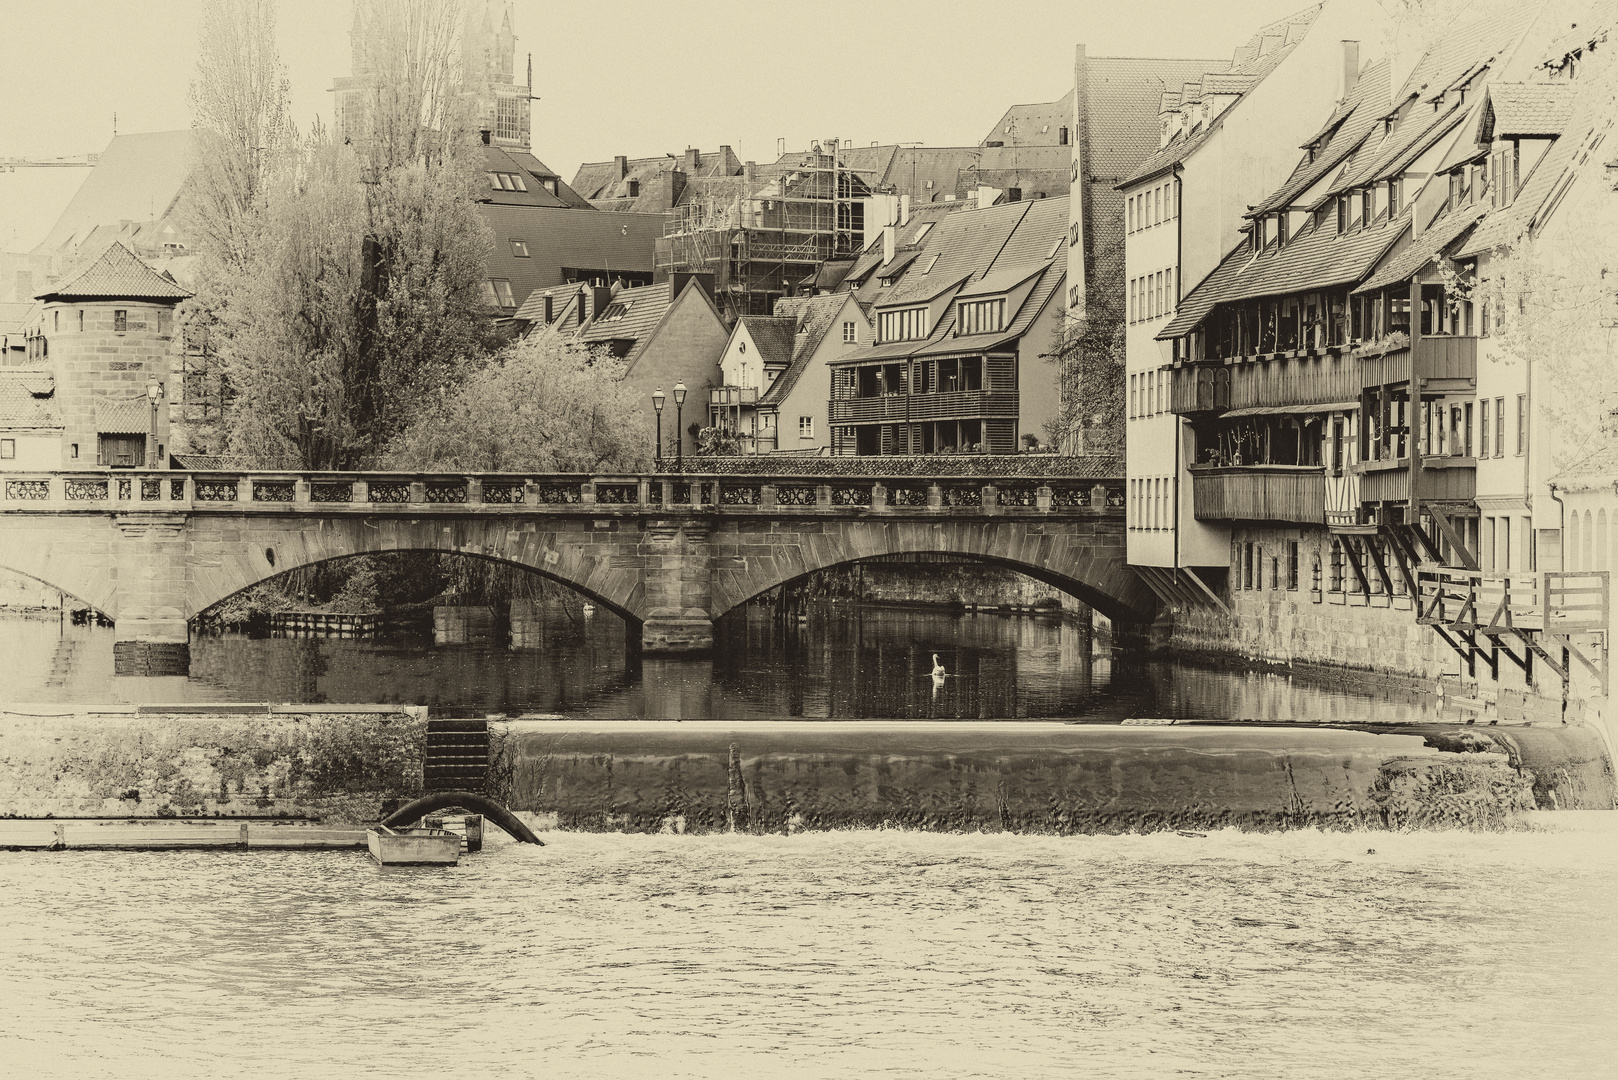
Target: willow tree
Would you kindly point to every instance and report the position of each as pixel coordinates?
(347, 293)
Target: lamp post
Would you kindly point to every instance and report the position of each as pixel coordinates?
(657, 407)
(154, 390)
(679, 430)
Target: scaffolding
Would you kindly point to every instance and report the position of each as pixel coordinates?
(760, 236)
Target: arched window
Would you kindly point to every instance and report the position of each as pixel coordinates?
(1570, 558)
(1314, 575)
(1336, 566)
(1601, 540)
(1585, 561)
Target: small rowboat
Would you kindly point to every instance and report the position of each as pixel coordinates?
(413, 847)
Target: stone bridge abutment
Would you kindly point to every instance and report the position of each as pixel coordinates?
(668, 554)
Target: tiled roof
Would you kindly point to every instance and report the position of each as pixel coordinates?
(1530, 108)
(1503, 226)
(1410, 137)
(116, 274)
(1262, 53)
(27, 399)
(210, 462)
(1426, 247)
(1348, 128)
(830, 274)
(772, 336)
(559, 238)
(643, 310)
(814, 316)
(498, 160)
(123, 416)
(138, 178)
(1314, 259)
(600, 181)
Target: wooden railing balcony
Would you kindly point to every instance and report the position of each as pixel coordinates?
(1443, 479)
(1453, 361)
(918, 408)
(1289, 493)
(1287, 382)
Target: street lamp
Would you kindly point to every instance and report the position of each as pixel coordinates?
(154, 390)
(657, 407)
(679, 430)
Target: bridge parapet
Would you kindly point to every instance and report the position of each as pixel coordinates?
(562, 493)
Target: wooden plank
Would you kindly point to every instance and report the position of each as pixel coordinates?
(1442, 521)
(31, 833)
(303, 837)
(148, 836)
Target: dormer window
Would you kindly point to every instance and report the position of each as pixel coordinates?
(1367, 207)
(519, 248)
(981, 317)
(504, 181)
(1281, 229)
(906, 324)
(1342, 214)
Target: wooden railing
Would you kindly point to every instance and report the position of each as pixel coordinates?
(1443, 479)
(1284, 382)
(922, 407)
(452, 493)
(1437, 357)
(1259, 493)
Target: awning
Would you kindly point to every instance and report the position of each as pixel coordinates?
(129, 416)
(1287, 410)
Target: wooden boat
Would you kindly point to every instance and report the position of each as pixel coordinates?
(413, 847)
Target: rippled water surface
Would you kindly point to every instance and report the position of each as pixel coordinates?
(827, 955)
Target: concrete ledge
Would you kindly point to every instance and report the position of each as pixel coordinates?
(648, 776)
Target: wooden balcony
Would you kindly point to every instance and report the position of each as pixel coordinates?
(1287, 493)
(919, 408)
(1450, 364)
(1282, 383)
(1443, 479)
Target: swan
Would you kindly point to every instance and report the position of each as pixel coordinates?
(938, 669)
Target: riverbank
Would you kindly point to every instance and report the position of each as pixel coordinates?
(353, 765)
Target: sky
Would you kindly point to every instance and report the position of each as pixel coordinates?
(630, 77)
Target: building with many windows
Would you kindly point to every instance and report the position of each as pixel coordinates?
(1324, 383)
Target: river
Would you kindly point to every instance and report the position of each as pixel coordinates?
(887, 953)
(844, 661)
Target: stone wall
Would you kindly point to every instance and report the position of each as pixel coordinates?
(986, 465)
(100, 363)
(1323, 620)
(349, 763)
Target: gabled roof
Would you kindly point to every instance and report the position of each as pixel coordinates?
(642, 310)
(562, 238)
(498, 160)
(772, 336)
(1351, 123)
(1426, 247)
(813, 317)
(1535, 198)
(116, 275)
(138, 178)
(28, 399)
(1317, 258)
(1260, 55)
(1529, 109)
(123, 416)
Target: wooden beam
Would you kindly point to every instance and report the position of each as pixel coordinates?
(1397, 546)
(1212, 596)
(1375, 555)
(1574, 651)
(1440, 519)
(1451, 642)
(1354, 564)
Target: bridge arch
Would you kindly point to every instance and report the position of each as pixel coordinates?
(1079, 558)
(269, 553)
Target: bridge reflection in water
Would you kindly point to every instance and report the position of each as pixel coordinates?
(845, 661)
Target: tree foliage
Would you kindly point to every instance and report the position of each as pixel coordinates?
(1089, 353)
(342, 287)
(540, 406)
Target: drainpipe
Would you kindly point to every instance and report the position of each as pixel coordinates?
(1179, 284)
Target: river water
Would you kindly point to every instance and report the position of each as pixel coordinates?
(885, 954)
(844, 661)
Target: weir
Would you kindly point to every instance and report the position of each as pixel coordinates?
(668, 553)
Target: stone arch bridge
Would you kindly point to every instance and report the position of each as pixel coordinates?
(669, 553)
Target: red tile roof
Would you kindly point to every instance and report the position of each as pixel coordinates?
(116, 275)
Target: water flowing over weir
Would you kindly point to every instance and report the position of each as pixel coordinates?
(1298, 954)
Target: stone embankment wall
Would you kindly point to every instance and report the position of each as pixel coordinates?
(348, 763)
(1035, 777)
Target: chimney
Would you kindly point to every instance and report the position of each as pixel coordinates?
(623, 165)
(550, 311)
(693, 161)
(725, 154)
(750, 181)
(1351, 69)
(484, 134)
(890, 241)
(599, 299)
(904, 209)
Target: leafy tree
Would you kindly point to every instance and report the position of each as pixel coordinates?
(342, 281)
(718, 441)
(1089, 353)
(540, 406)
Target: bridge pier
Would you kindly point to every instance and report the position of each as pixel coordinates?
(152, 635)
(677, 575)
